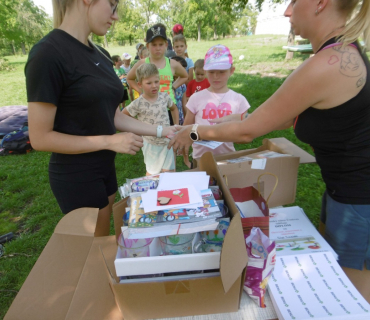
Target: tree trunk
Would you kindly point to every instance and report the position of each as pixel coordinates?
(23, 48)
(105, 41)
(198, 32)
(130, 39)
(214, 33)
(13, 47)
(289, 54)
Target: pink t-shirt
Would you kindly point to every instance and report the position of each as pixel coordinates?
(207, 105)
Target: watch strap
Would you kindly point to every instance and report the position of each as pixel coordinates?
(159, 131)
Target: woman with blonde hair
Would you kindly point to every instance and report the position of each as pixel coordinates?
(73, 94)
(327, 101)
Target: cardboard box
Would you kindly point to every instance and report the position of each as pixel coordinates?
(244, 174)
(218, 294)
(281, 145)
(69, 280)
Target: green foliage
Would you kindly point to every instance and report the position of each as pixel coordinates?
(5, 65)
(23, 24)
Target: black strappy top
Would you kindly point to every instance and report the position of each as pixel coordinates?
(340, 137)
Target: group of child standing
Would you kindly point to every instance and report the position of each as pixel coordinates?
(171, 96)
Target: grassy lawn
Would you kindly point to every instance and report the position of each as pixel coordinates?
(27, 205)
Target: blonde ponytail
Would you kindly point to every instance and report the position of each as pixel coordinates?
(358, 26)
(59, 10)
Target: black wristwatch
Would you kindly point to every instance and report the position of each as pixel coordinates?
(194, 135)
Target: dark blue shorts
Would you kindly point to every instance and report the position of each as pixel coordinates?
(82, 185)
(347, 230)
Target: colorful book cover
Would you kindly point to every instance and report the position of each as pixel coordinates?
(139, 219)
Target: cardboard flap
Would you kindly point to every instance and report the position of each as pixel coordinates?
(107, 268)
(285, 146)
(234, 255)
(118, 213)
(93, 298)
(79, 222)
(49, 289)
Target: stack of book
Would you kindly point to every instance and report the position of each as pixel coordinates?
(177, 206)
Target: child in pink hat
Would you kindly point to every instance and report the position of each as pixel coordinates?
(217, 101)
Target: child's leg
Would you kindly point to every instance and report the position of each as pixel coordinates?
(186, 159)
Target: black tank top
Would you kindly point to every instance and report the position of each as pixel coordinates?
(340, 137)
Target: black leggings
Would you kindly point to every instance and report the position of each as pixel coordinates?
(82, 185)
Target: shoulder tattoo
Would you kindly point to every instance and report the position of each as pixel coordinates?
(351, 64)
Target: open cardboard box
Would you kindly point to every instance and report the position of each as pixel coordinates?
(217, 294)
(244, 174)
(71, 279)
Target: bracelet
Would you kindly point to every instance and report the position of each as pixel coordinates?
(159, 131)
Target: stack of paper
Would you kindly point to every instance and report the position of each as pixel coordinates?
(313, 286)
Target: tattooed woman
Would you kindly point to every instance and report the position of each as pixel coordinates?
(327, 101)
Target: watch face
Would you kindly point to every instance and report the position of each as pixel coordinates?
(193, 136)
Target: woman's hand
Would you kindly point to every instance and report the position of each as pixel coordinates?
(182, 140)
(125, 142)
(230, 117)
(170, 132)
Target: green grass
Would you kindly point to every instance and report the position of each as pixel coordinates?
(27, 205)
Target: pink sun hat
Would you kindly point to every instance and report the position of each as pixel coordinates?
(218, 57)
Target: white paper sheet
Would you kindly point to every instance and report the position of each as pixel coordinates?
(176, 180)
(209, 144)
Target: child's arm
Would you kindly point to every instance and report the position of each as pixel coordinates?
(131, 94)
(175, 114)
(190, 76)
(189, 118)
(179, 71)
(184, 101)
(131, 77)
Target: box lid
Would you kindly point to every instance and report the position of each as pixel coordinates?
(281, 145)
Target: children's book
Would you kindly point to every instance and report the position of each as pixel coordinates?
(294, 233)
(314, 286)
(140, 219)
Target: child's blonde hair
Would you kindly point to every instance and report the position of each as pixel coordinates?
(146, 70)
(199, 64)
(141, 51)
(178, 38)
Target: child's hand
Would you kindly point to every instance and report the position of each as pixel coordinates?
(125, 142)
(182, 141)
(170, 132)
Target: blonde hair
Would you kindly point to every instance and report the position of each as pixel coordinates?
(359, 25)
(146, 70)
(59, 11)
(141, 51)
(179, 37)
(199, 64)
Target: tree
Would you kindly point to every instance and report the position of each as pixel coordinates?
(241, 4)
(246, 20)
(199, 13)
(130, 23)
